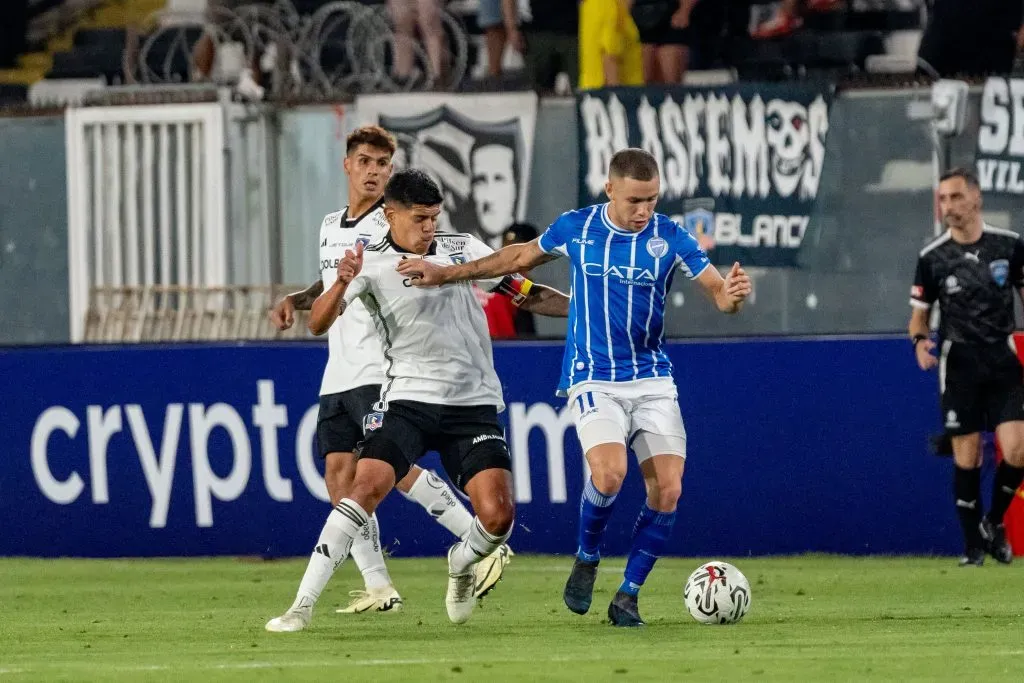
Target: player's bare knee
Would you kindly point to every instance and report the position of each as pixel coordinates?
(496, 515)
(608, 480)
(368, 494)
(608, 464)
(664, 497)
(373, 481)
(607, 471)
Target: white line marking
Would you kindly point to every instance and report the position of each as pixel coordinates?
(426, 661)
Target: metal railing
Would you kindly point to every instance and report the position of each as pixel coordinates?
(178, 313)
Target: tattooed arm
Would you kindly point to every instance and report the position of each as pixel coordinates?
(546, 301)
(283, 314)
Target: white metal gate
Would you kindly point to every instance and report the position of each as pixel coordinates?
(146, 200)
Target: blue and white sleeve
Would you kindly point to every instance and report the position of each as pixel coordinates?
(555, 239)
(690, 258)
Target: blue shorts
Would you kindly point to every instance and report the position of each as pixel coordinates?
(489, 14)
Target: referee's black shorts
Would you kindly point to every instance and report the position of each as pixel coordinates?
(982, 387)
(339, 425)
(470, 439)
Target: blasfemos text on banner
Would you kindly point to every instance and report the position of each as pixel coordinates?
(740, 164)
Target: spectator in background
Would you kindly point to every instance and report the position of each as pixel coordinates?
(407, 15)
(787, 19)
(663, 27)
(505, 320)
(551, 40)
(610, 52)
(499, 20)
(971, 37)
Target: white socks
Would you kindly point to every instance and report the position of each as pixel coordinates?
(349, 530)
(433, 494)
(478, 545)
(369, 557)
(342, 526)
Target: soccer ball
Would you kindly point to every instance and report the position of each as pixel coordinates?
(717, 593)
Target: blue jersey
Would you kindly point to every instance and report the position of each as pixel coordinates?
(620, 280)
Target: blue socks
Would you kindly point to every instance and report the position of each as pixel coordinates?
(595, 510)
(650, 536)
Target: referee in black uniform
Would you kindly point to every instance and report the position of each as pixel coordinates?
(971, 270)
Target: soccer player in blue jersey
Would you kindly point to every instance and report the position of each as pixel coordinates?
(615, 371)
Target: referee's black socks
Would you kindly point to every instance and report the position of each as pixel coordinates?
(967, 494)
(1004, 488)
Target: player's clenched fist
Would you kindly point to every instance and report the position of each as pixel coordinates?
(282, 316)
(737, 284)
(350, 266)
(422, 273)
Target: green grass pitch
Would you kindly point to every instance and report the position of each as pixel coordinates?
(813, 618)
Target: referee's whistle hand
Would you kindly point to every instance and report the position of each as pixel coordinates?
(926, 360)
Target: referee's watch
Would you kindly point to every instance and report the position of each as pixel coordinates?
(918, 338)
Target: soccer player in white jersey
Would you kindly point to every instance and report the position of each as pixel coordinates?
(353, 376)
(615, 370)
(440, 393)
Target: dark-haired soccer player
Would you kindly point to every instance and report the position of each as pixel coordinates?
(353, 376)
(440, 393)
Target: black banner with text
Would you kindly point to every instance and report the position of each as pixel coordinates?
(740, 165)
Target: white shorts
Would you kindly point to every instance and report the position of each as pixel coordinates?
(642, 413)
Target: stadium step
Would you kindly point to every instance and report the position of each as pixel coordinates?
(106, 22)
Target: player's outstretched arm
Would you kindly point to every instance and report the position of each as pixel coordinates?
(514, 258)
(729, 292)
(331, 304)
(282, 315)
(544, 300)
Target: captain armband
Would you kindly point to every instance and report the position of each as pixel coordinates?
(515, 287)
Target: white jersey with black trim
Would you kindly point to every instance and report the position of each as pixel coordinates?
(355, 356)
(437, 348)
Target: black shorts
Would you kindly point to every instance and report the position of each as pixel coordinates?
(469, 438)
(339, 426)
(654, 23)
(665, 35)
(982, 387)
